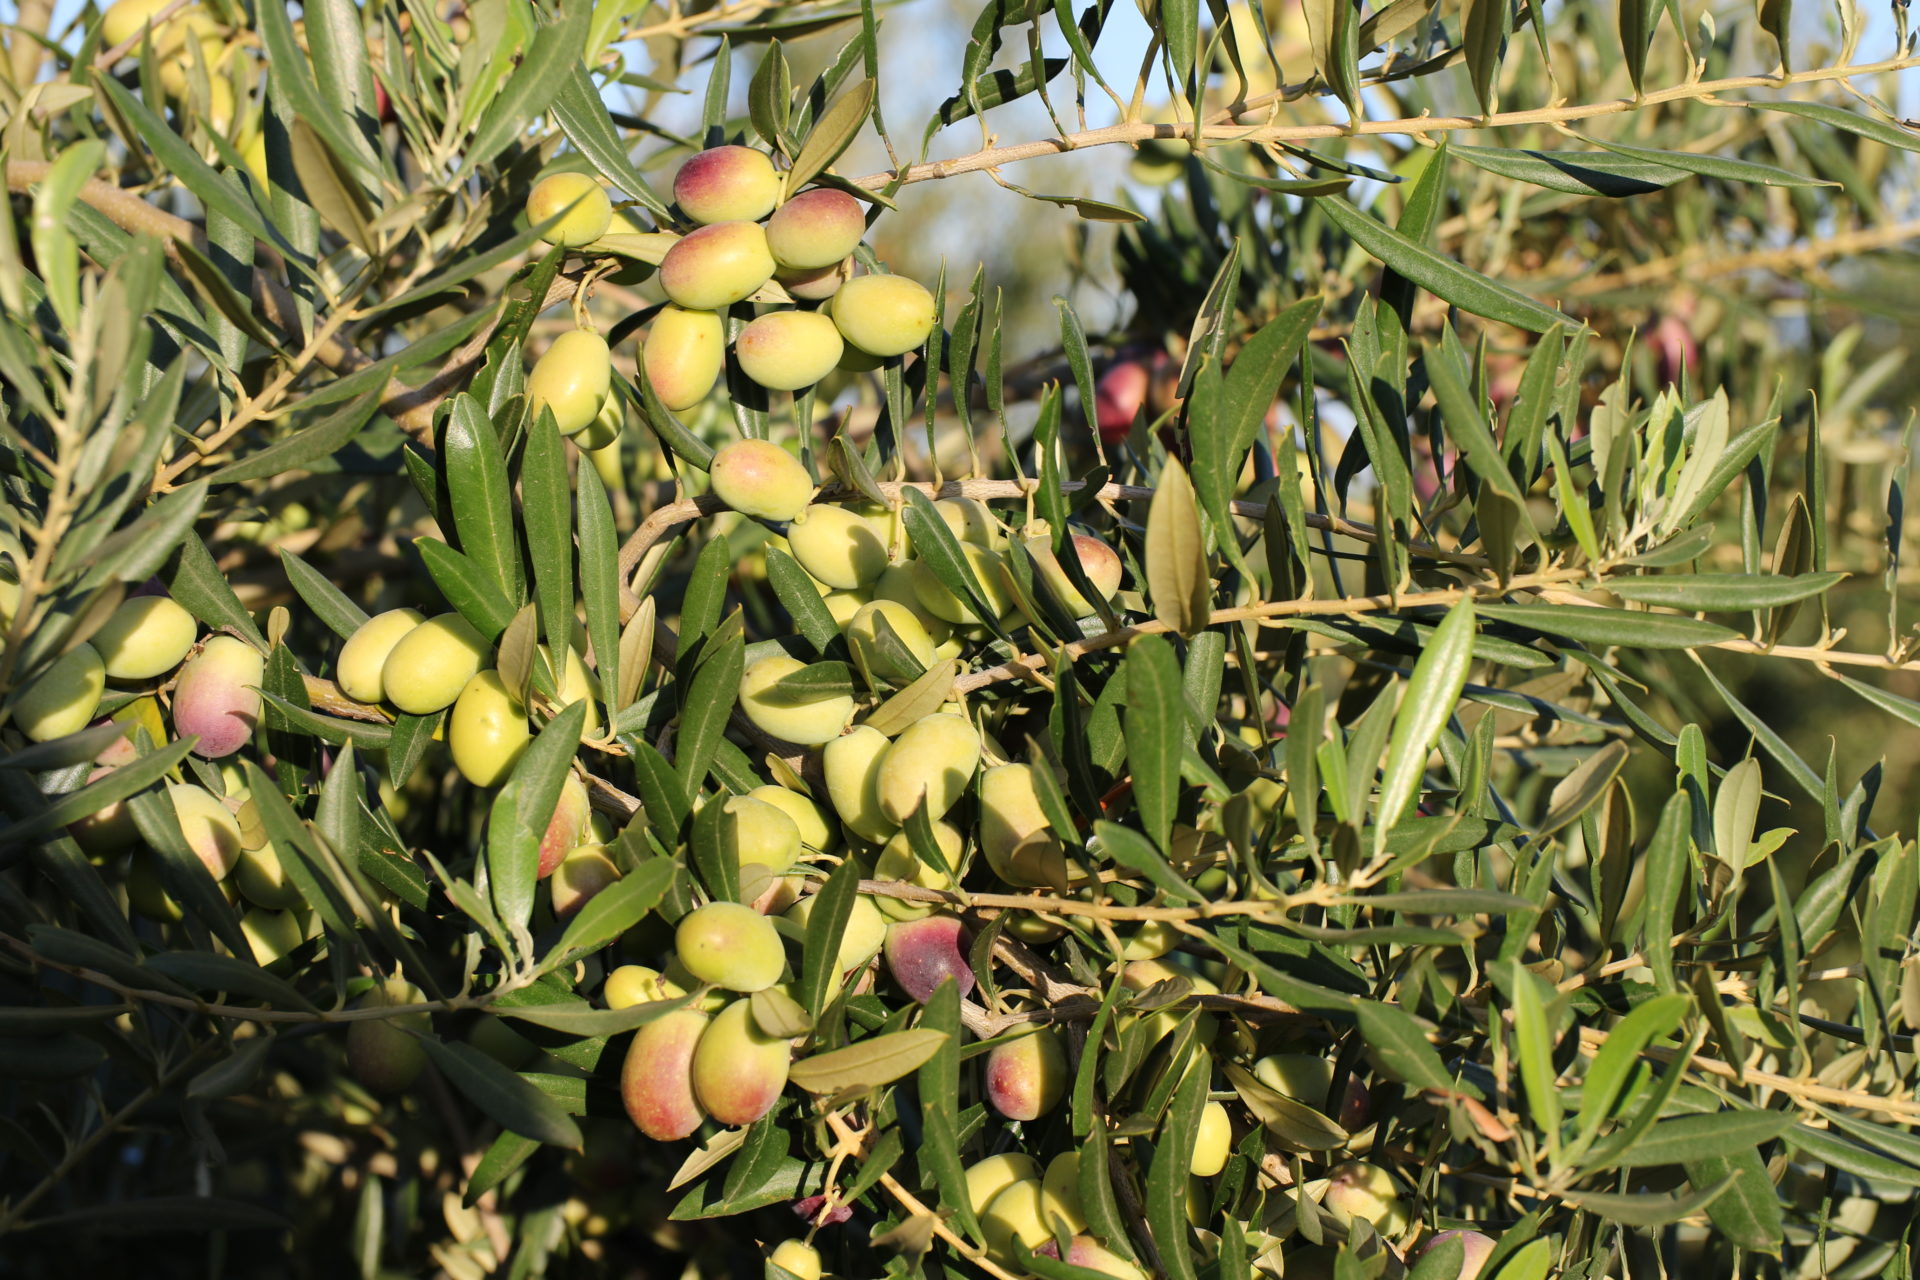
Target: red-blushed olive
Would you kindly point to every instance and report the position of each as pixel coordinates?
(145, 637)
(365, 653)
(935, 758)
(217, 696)
(488, 731)
(1475, 1249)
(1358, 1190)
(381, 1054)
(1098, 561)
(1213, 1143)
(1118, 396)
(836, 546)
(815, 229)
(797, 1258)
(731, 946)
(898, 861)
(683, 353)
(758, 478)
(1085, 1251)
(851, 764)
(738, 1070)
(656, 1079)
(583, 201)
(210, 828)
(427, 668)
(1015, 837)
(817, 285)
(716, 266)
(800, 717)
(571, 379)
(581, 875)
(788, 350)
(1026, 1076)
(810, 818)
(567, 828)
(921, 954)
(727, 184)
(884, 315)
(763, 834)
(889, 644)
(63, 698)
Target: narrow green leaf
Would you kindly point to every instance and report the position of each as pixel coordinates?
(501, 1095)
(1425, 708)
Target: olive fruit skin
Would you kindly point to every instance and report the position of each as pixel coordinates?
(63, 698)
(358, 673)
(763, 834)
(1098, 561)
(731, 946)
(581, 874)
(758, 478)
(271, 935)
(989, 1177)
(1301, 1076)
(884, 315)
(716, 266)
(899, 584)
(1359, 1190)
(633, 984)
(1061, 1190)
(145, 892)
(989, 572)
(815, 229)
(146, 636)
(898, 861)
(836, 546)
(807, 723)
(738, 1072)
(263, 879)
(865, 934)
(567, 828)
(798, 1258)
(788, 350)
(934, 757)
(818, 285)
(429, 666)
(922, 954)
(488, 731)
(1085, 1251)
(1213, 1143)
(380, 1053)
(971, 520)
(656, 1079)
(889, 644)
(851, 764)
(815, 823)
(588, 218)
(683, 354)
(571, 380)
(217, 696)
(727, 184)
(1015, 836)
(210, 828)
(1016, 1213)
(1025, 1077)
(1475, 1248)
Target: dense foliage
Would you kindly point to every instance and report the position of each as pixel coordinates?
(564, 712)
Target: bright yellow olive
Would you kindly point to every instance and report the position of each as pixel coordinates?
(804, 719)
(63, 698)
(588, 218)
(883, 315)
(365, 653)
(488, 731)
(683, 353)
(145, 637)
(429, 666)
(716, 266)
(788, 350)
(571, 379)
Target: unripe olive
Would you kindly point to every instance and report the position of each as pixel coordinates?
(63, 698)
(815, 823)
(1304, 1077)
(581, 874)
(860, 941)
(429, 666)
(568, 827)
(797, 1258)
(217, 696)
(380, 1054)
(210, 828)
(843, 605)
(1475, 1249)
(836, 546)
(683, 353)
(815, 229)
(763, 834)
(788, 350)
(577, 684)
(1085, 1251)
(1015, 837)
(934, 757)
(922, 954)
(898, 585)
(972, 521)
(633, 984)
(808, 721)
(1017, 1213)
(883, 315)
(263, 879)
(818, 285)
(271, 935)
(1060, 1191)
(107, 829)
(989, 1177)
(146, 636)
(1098, 561)
(146, 894)
(571, 379)
(898, 861)
(1213, 1143)
(1150, 941)
(588, 210)
(738, 1071)
(758, 478)
(488, 731)
(365, 653)
(605, 427)
(889, 644)
(851, 764)
(731, 946)
(1358, 1190)
(716, 266)
(1026, 1076)
(989, 571)
(727, 184)
(656, 1079)
(126, 19)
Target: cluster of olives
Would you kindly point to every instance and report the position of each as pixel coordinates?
(188, 35)
(743, 243)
